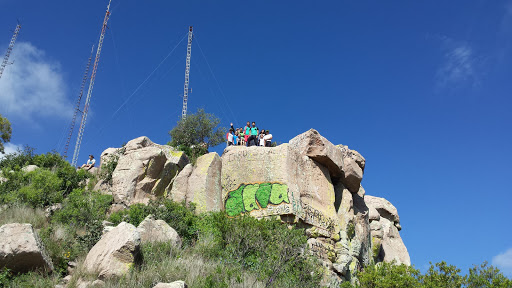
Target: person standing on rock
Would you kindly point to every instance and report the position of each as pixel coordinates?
(261, 141)
(90, 163)
(268, 139)
(230, 137)
(247, 133)
(254, 135)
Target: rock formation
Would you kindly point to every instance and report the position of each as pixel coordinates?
(309, 182)
(144, 170)
(21, 250)
(151, 230)
(115, 253)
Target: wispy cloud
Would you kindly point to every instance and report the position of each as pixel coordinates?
(504, 262)
(33, 85)
(10, 148)
(459, 65)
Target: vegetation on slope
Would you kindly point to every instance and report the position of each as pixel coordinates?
(218, 251)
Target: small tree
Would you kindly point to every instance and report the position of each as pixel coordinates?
(196, 133)
(5, 132)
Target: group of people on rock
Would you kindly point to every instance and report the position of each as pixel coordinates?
(248, 136)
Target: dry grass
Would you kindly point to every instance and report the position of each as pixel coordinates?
(164, 263)
(23, 214)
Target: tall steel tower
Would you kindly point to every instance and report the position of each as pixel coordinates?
(187, 73)
(9, 49)
(91, 85)
(78, 102)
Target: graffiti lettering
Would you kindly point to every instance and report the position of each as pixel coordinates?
(249, 197)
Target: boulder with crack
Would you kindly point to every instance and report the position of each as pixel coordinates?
(116, 252)
(21, 250)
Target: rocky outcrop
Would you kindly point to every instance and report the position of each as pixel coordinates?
(308, 182)
(144, 170)
(151, 230)
(21, 250)
(200, 184)
(387, 243)
(317, 148)
(115, 253)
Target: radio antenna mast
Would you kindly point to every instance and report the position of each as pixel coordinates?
(9, 49)
(91, 85)
(187, 73)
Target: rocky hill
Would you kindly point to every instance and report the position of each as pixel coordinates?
(308, 182)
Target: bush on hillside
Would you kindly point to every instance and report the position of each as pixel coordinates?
(266, 248)
(178, 216)
(384, 275)
(107, 169)
(45, 186)
(83, 207)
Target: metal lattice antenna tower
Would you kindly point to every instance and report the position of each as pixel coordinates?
(78, 102)
(187, 73)
(11, 45)
(91, 85)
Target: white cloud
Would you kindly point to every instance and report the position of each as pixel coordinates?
(10, 148)
(33, 86)
(459, 65)
(504, 262)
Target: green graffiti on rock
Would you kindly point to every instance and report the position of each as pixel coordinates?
(249, 197)
(263, 194)
(234, 202)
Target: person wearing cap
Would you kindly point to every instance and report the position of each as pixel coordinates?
(90, 163)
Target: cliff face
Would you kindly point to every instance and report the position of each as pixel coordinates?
(308, 182)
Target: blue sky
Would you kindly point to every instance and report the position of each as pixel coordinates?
(422, 90)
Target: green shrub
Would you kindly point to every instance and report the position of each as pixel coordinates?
(83, 207)
(107, 169)
(442, 275)
(178, 216)
(388, 275)
(5, 277)
(486, 276)
(43, 189)
(19, 159)
(266, 248)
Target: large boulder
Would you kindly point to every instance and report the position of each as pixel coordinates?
(265, 181)
(144, 170)
(387, 243)
(21, 250)
(151, 230)
(384, 208)
(316, 147)
(115, 253)
(202, 185)
(353, 167)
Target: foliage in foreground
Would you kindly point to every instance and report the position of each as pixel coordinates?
(389, 275)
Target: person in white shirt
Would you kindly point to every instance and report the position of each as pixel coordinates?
(90, 163)
(268, 139)
(261, 142)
